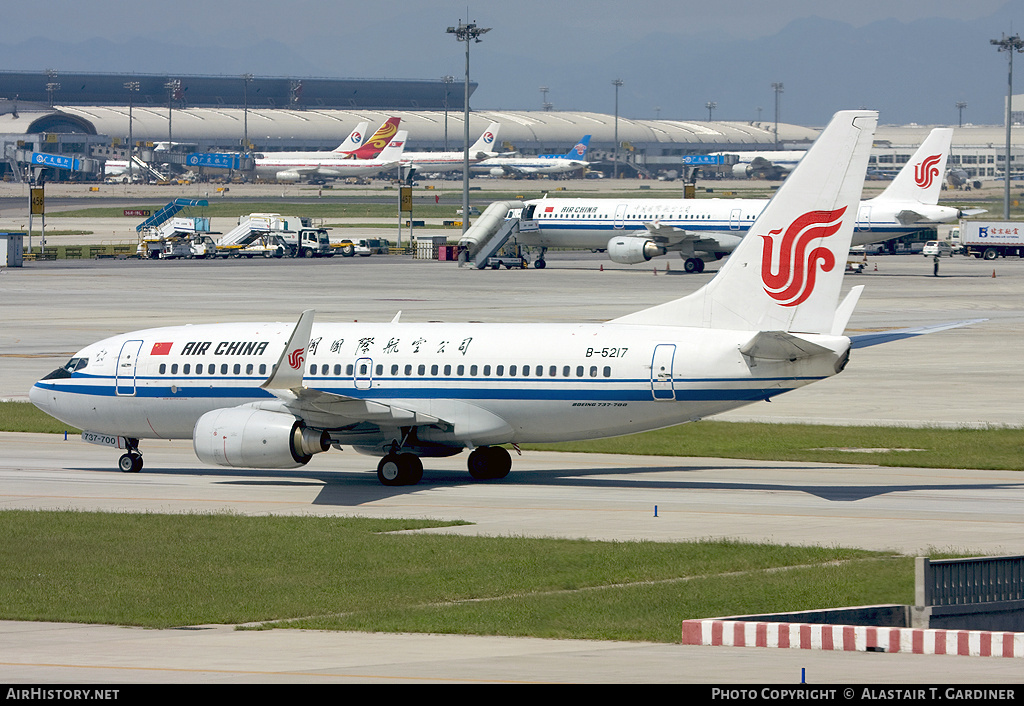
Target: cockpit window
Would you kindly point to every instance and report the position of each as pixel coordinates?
(76, 364)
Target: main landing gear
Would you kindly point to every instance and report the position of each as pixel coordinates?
(693, 264)
(485, 463)
(131, 462)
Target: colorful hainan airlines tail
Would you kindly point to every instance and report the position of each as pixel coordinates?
(920, 179)
(377, 141)
(354, 139)
(786, 274)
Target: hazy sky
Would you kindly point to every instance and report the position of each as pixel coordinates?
(674, 55)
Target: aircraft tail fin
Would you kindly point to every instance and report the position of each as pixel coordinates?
(394, 149)
(376, 143)
(486, 142)
(920, 179)
(579, 151)
(354, 139)
(786, 274)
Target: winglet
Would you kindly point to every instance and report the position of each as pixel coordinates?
(287, 374)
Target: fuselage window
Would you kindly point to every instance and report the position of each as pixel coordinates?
(248, 368)
(553, 371)
(607, 371)
(163, 368)
(186, 368)
(263, 369)
(380, 369)
(593, 371)
(565, 371)
(199, 368)
(421, 369)
(408, 370)
(394, 370)
(174, 369)
(499, 370)
(433, 369)
(461, 370)
(238, 368)
(223, 368)
(472, 371)
(487, 371)
(447, 370)
(579, 371)
(337, 369)
(349, 368)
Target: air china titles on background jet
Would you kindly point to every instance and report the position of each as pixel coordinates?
(704, 230)
(271, 395)
(299, 165)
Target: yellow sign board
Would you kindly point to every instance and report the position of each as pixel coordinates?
(38, 205)
(405, 198)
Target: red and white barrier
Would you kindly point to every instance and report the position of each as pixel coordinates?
(806, 636)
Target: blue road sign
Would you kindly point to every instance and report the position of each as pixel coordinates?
(213, 159)
(55, 160)
(703, 159)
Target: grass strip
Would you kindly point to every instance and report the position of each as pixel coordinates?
(368, 574)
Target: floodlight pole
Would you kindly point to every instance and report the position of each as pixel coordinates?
(466, 32)
(1009, 45)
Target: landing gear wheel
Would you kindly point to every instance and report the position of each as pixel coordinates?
(693, 264)
(540, 264)
(489, 463)
(130, 463)
(400, 469)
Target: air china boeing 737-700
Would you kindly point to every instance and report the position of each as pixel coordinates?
(271, 395)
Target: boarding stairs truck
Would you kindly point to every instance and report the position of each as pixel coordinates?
(992, 239)
(492, 230)
(167, 235)
(259, 230)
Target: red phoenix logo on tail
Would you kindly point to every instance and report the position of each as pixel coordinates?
(295, 358)
(793, 279)
(926, 171)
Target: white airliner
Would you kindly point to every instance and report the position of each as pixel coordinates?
(446, 161)
(574, 159)
(766, 164)
(294, 166)
(270, 395)
(703, 230)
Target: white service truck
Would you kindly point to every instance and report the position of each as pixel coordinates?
(992, 239)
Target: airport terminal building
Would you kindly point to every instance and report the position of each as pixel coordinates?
(93, 117)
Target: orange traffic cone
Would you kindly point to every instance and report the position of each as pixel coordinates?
(993, 274)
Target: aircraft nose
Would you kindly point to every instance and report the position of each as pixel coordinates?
(41, 398)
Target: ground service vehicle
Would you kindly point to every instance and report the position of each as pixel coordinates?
(992, 239)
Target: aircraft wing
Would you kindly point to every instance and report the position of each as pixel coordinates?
(326, 409)
(864, 340)
(672, 238)
(333, 411)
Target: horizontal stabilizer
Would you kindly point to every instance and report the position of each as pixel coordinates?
(864, 340)
(966, 213)
(779, 345)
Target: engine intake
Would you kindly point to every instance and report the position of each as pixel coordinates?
(243, 437)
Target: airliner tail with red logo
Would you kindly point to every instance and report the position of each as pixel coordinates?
(785, 275)
(920, 179)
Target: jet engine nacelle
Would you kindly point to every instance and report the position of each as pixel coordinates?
(497, 172)
(244, 437)
(627, 250)
(288, 176)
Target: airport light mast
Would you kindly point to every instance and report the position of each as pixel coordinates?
(615, 169)
(1009, 45)
(777, 87)
(132, 87)
(466, 32)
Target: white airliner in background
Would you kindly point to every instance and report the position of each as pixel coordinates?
(703, 230)
(767, 164)
(295, 166)
(572, 160)
(270, 395)
(413, 162)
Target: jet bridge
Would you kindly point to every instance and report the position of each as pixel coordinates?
(490, 232)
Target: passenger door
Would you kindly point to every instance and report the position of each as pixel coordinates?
(127, 362)
(662, 383)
